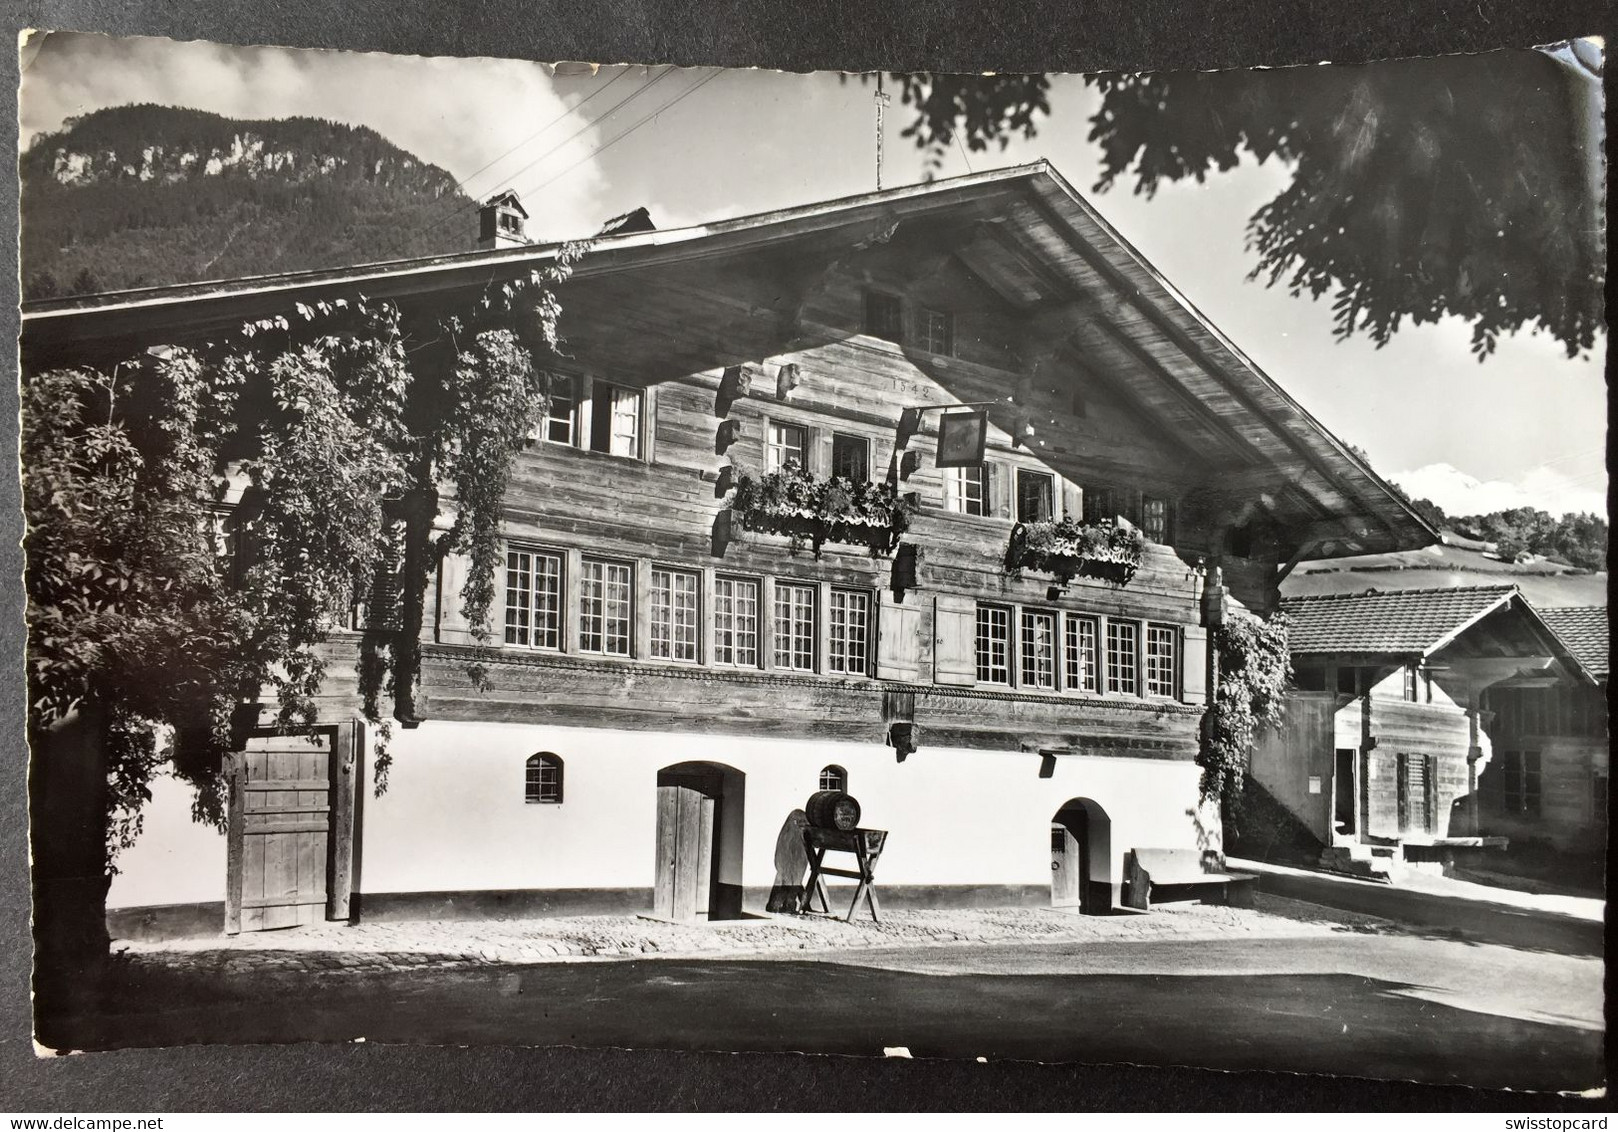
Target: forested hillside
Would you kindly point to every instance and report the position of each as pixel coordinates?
(148, 195)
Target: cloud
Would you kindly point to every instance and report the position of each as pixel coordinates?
(510, 115)
(1543, 487)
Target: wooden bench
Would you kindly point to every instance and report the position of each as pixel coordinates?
(1146, 870)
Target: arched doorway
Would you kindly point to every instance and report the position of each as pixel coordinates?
(1081, 858)
(698, 876)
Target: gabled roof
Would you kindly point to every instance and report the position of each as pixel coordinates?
(510, 199)
(1583, 629)
(1105, 312)
(1400, 623)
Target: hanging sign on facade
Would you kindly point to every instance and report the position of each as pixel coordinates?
(962, 438)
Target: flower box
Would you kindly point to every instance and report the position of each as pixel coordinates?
(1108, 552)
(794, 503)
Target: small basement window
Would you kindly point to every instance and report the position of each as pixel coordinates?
(543, 782)
(833, 777)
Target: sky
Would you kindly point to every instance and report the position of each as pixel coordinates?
(1527, 427)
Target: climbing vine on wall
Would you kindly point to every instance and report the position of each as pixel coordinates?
(158, 611)
(1254, 668)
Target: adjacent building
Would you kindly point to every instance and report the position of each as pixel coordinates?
(1394, 736)
(932, 495)
(1548, 783)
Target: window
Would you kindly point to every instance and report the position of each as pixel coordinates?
(884, 316)
(1038, 649)
(1121, 640)
(604, 607)
(794, 627)
(533, 599)
(1083, 670)
(543, 779)
(561, 424)
(1520, 782)
(1036, 493)
(850, 618)
(1160, 653)
(965, 490)
(1412, 685)
(786, 442)
(1099, 505)
(938, 332)
(1348, 681)
(1154, 518)
(226, 534)
(994, 644)
(615, 413)
(673, 615)
(851, 457)
(833, 778)
(735, 622)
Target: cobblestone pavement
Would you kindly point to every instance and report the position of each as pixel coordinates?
(339, 948)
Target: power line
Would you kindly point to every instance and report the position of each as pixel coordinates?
(603, 148)
(619, 105)
(542, 130)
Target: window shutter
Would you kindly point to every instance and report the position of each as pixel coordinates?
(955, 659)
(1194, 664)
(1402, 789)
(1430, 781)
(450, 623)
(1072, 500)
(997, 490)
(901, 649)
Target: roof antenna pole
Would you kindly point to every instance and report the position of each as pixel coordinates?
(881, 103)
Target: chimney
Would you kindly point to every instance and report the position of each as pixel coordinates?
(500, 222)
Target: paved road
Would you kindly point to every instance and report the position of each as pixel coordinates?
(1395, 1007)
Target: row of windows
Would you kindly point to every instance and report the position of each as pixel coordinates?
(605, 616)
(603, 417)
(1043, 650)
(542, 779)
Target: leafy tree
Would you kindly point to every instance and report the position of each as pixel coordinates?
(41, 285)
(1462, 186)
(338, 423)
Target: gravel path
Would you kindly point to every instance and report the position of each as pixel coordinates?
(389, 946)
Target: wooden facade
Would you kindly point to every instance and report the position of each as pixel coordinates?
(1548, 781)
(833, 337)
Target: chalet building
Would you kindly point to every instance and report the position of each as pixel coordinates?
(738, 571)
(1547, 782)
(1388, 749)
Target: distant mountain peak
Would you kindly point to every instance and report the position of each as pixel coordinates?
(146, 195)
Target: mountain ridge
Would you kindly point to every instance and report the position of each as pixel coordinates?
(147, 195)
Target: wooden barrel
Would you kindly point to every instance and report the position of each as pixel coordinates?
(832, 809)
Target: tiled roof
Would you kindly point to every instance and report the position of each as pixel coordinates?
(1583, 629)
(1403, 622)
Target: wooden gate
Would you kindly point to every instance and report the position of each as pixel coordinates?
(290, 840)
(687, 816)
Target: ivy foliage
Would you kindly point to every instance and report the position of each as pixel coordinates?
(154, 603)
(1254, 669)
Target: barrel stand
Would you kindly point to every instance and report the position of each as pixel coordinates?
(866, 846)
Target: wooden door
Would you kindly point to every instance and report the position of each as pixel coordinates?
(1067, 868)
(1343, 793)
(683, 884)
(280, 833)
